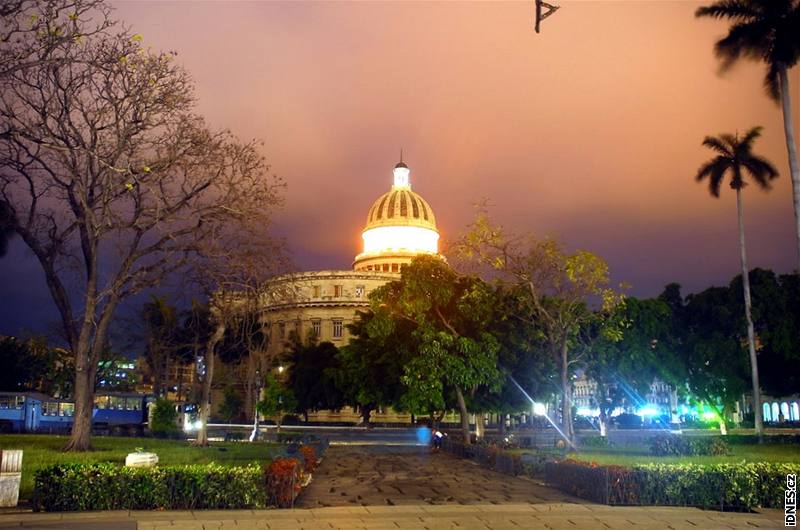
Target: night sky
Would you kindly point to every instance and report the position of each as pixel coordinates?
(589, 131)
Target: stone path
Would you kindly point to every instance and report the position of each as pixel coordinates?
(398, 475)
(552, 516)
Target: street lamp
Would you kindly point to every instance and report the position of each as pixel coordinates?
(254, 434)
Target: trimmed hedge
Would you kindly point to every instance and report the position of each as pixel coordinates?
(677, 445)
(741, 486)
(107, 486)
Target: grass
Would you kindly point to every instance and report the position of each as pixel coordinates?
(640, 454)
(43, 450)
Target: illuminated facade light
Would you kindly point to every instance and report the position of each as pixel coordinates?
(408, 238)
(540, 409)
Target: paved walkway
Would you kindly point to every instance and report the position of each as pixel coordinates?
(551, 516)
(397, 475)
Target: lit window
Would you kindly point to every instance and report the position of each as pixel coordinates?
(338, 326)
(359, 291)
(67, 409)
(316, 326)
(395, 267)
(337, 290)
(50, 408)
(316, 291)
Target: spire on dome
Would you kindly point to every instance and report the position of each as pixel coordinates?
(401, 173)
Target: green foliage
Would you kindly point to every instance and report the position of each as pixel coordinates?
(106, 486)
(745, 485)
(312, 375)
(594, 441)
(450, 348)
(31, 364)
(676, 445)
(371, 365)
(278, 400)
(232, 403)
(164, 420)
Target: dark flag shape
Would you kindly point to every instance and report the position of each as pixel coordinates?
(541, 16)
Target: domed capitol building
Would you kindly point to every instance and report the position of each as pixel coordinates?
(400, 225)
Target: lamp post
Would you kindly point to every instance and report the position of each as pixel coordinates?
(254, 434)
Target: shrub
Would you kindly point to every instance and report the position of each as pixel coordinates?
(594, 441)
(741, 486)
(678, 445)
(164, 421)
(107, 486)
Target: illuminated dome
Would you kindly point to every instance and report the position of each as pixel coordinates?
(400, 225)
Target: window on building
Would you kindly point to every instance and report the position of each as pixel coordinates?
(338, 327)
(317, 291)
(316, 326)
(385, 267)
(50, 408)
(359, 291)
(281, 330)
(133, 403)
(767, 414)
(101, 402)
(395, 267)
(18, 402)
(337, 290)
(66, 409)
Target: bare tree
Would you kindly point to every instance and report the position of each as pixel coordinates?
(113, 181)
(34, 33)
(234, 269)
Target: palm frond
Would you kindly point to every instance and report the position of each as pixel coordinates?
(761, 170)
(750, 136)
(752, 40)
(735, 9)
(715, 170)
(717, 145)
(772, 81)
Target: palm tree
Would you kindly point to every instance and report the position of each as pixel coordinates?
(769, 31)
(735, 156)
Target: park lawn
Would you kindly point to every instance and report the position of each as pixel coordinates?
(43, 450)
(640, 454)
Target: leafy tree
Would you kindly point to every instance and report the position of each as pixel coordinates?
(556, 291)
(31, 364)
(232, 403)
(277, 400)
(450, 314)
(112, 180)
(710, 356)
(776, 304)
(312, 374)
(735, 156)
(767, 31)
(370, 368)
(629, 362)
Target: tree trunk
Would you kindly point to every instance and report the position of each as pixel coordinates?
(366, 412)
(751, 343)
(603, 419)
(502, 418)
(566, 401)
(462, 408)
(205, 402)
(81, 437)
(480, 425)
(791, 147)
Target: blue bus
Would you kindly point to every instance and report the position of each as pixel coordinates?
(115, 413)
